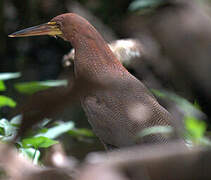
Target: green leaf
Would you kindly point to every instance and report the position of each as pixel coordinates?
(2, 86)
(6, 101)
(16, 120)
(30, 153)
(7, 76)
(8, 128)
(36, 156)
(195, 128)
(35, 86)
(145, 4)
(2, 133)
(155, 130)
(188, 108)
(159, 93)
(81, 132)
(43, 130)
(196, 105)
(205, 141)
(44, 123)
(38, 142)
(57, 130)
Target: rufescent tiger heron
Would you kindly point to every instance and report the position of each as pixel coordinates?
(125, 107)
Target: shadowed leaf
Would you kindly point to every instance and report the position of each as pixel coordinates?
(81, 132)
(45, 104)
(6, 101)
(2, 86)
(188, 108)
(155, 130)
(145, 4)
(35, 86)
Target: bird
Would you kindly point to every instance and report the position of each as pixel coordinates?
(118, 112)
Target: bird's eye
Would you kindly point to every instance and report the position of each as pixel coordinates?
(54, 24)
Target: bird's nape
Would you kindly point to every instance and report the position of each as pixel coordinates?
(50, 28)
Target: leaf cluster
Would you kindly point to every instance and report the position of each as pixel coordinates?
(45, 135)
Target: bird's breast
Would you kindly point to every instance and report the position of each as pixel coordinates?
(108, 119)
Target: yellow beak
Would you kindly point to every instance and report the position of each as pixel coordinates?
(50, 28)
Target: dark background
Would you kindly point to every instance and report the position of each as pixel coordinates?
(40, 57)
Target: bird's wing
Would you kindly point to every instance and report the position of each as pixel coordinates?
(117, 114)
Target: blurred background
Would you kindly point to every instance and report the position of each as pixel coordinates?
(173, 36)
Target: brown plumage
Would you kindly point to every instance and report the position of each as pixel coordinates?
(125, 107)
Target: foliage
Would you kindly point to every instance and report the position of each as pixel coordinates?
(38, 142)
(195, 127)
(45, 135)
(57, 130)
(2, 86)
(184, 105)
(7, 130)
(4, 100)
(31, 153)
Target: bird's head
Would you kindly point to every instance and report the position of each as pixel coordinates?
(64, 26)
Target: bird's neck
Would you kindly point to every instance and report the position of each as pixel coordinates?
(94, 58)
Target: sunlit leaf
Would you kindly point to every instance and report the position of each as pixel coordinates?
(36, 157)
(38, 142)
(30, 153)
(35, 86)
(7, 127)
(2, 86)
(81, 132)
(57, 130)
(7, 76)
(155, 130)
(16, 120)
(7, 101)
(195, 128)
